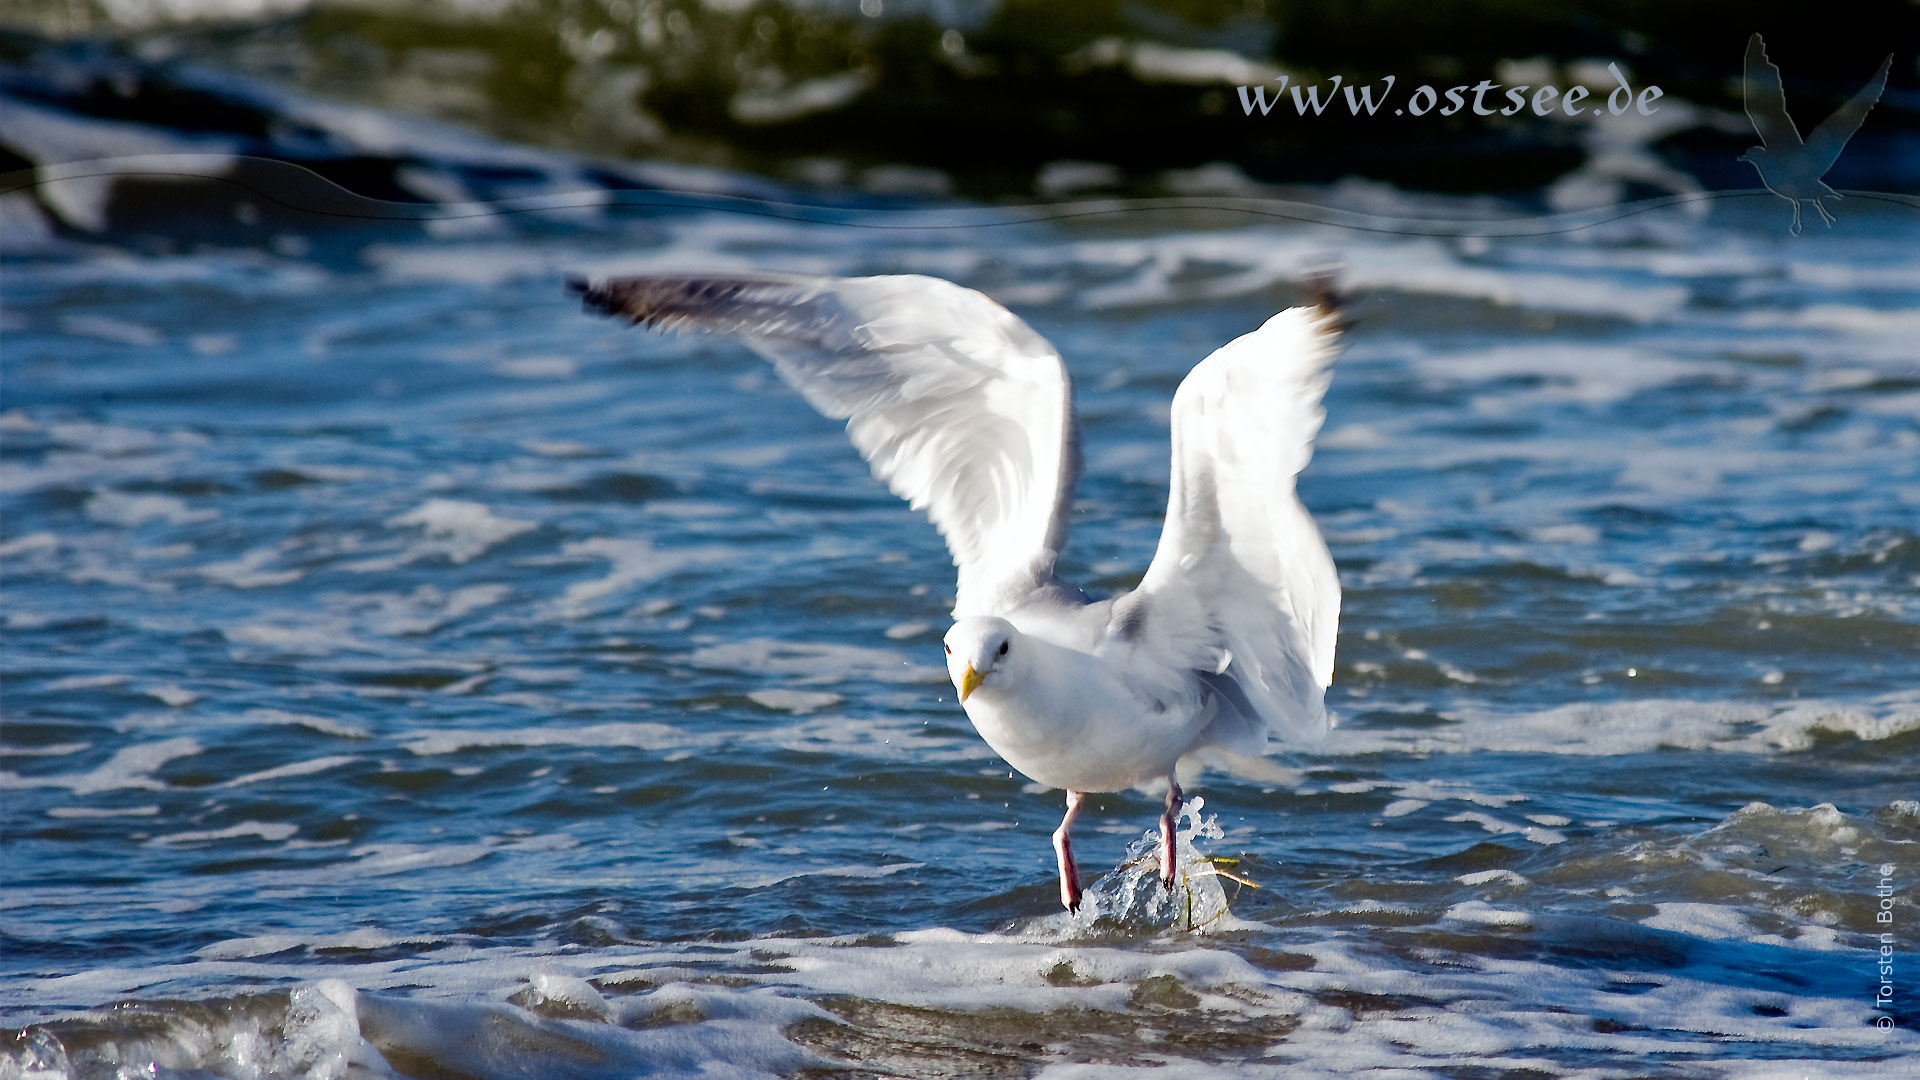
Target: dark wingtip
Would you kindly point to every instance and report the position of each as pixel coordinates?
(712, 302)
(592, 298)
(1326, 297)
(598, 299)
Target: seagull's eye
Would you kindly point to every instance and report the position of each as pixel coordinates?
(1003, 648)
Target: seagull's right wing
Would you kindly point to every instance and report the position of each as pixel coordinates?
(958, 405)
(1242, 586)
(1766, 100)
(1827, 140)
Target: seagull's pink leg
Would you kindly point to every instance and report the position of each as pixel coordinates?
(1063, 847)
(1167, 852)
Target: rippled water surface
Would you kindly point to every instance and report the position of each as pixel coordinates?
(406, 672)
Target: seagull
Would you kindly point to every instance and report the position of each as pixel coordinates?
(1789, 167)
(967, 413)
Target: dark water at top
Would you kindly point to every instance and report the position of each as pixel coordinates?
(404, 672)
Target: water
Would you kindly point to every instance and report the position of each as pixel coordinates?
(407, 673)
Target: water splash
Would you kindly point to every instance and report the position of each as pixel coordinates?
(1131, 894)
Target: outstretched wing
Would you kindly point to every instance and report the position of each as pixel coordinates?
(1827, 140)
(1241, 576)
(1766, 100)
(959, 406)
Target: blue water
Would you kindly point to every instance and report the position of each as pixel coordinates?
(386, 639)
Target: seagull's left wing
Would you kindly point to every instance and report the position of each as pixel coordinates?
(1242, 587)
(958, 405)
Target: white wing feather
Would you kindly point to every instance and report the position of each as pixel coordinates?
(959, 406)
(1242, 577)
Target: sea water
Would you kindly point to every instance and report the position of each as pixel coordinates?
(405, 673)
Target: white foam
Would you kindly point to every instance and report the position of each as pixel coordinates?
(571, 994)
(1479, 911)
(322, 1034)
(90, 812)
(1901, 323)
(823, 94)
(171, 695)
(1495, 825)
(457, 529)
(1158, 62)
(368, 938)
(581, 1010)
(129, 511)
(1589, 374)
(799, 702)
(48, 750)
(32, 542)
(385, 860)
(249, 570)
(88, 682)
(131, 767)
(273, 831)
(325, 725)
(640, 736)
(1631, 727)
(1700, 920)
(946, 969)
(297, 768)
(108, 328)
(1258, 259)
(1821, 829)
(78, 159)
(426, 608)
(560, 448)
(813, 662)
(146, 13)
(305, 638)
(729, 875)
(887, 738)
(633, 560)
(1440, 791)
(1488, 877)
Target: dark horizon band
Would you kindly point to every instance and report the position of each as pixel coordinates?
(350, 205)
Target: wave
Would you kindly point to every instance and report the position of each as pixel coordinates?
(931, 97)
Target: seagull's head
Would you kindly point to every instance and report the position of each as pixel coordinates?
(982, 651)
(1753, 155)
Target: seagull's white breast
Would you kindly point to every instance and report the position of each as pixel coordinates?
(1082, 721)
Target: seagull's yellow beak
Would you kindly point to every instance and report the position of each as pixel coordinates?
(969, 682)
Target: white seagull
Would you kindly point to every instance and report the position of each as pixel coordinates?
(967, 413)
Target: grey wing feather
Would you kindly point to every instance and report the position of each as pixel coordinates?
(958, 405)
(1766, 99)
(1827, 140)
